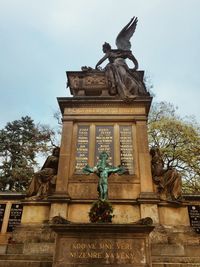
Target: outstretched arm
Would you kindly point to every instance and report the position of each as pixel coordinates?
(134, 60)
(87, 169)
(101, 61)
(119, 170)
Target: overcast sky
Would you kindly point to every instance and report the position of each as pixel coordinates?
(42, 39)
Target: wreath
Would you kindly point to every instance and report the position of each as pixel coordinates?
(101, 212)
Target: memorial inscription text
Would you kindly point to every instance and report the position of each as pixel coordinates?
(82, 150)
(106, 251)
(2, 212)
(126, 148)
(194, 215)
(105, 142)
(15, 216)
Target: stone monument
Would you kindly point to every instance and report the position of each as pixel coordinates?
(103, 199)
(104, 125)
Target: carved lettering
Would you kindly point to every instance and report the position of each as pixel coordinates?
(104, 142)
(104, 250)
(82, 150)
(126, 147)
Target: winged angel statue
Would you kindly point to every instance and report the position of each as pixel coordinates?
(121, 79)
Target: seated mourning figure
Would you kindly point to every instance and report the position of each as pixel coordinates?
(168, 180)
(44, 181)
(122, 80)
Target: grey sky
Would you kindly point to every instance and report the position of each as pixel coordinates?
(42, 39)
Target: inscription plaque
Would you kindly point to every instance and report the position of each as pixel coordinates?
(126, 148)
(2, 212)
(102, 245)
(105, 250)
(194, 215)
(104, 142)
(82, 150)
(15, 216)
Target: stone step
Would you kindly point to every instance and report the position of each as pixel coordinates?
(175, 261)
(38, 257)
(20, 260)
(15, 263)
(175, 265)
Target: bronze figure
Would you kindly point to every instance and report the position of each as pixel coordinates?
(103, 170)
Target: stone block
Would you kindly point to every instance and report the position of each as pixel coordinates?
(15, 263)
(192, 241)
(125, 213)
(15, 248)
(101, 245)
(35, 213)
(79, 212)
(3, 248)
(39, 248)
(170, 250)
(192, 251)
(173, 216)
(149, 210)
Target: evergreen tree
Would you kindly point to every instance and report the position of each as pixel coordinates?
(20, 142)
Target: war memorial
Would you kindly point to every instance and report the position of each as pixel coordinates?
(104, 197)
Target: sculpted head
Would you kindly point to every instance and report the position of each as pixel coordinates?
(103, 155)
(56, 151)
(155, 151)
(106, 47)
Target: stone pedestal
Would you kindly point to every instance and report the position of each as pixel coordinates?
(99, 245)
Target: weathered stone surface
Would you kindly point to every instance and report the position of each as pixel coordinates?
(173, 250)
(33, 233)
(35, 212)
(15, 248)
(3, 248)
(102, 245)
(39, 248)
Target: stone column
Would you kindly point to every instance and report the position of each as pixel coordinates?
(144, 157)
(64, 159)
(61, 197)
(148, 198)
(6, 217)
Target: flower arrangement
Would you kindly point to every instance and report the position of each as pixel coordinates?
(101, 212)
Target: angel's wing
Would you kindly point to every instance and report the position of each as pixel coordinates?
(123, 38)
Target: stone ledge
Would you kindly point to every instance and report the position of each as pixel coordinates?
(176, 265)
(102, 228)
(177, 260)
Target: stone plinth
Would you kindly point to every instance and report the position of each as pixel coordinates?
(123, 245)
(92, 83)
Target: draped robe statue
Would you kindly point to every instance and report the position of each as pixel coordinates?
(43, 182)
(122, 80)
(167, 180)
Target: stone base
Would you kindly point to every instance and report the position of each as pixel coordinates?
(123, 245)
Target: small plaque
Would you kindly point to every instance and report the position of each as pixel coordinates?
(2, 212)
(15, 216)
(194, 215)
(126, 148)
(82, 151)
(104, 142)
